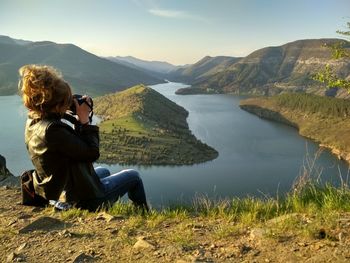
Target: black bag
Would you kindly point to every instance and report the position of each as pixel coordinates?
(29, 197)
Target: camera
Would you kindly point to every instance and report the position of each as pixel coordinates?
(80, 100)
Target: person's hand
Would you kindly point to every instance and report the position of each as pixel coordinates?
(83, 110)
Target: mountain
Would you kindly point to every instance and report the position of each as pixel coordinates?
(272, 70)
(141, 126)
(152, 66)
(203, 69)
(8, 40)
(86, 72)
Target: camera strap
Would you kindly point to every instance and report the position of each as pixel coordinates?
(91, 106)
(71, 119)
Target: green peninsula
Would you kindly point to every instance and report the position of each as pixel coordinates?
(141, 126)
(322, 119)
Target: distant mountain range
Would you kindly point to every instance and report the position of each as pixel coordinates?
(86, 72)
(150, 66)
(268, 71)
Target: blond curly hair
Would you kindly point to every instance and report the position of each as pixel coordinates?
(43, 90)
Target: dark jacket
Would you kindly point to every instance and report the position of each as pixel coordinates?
(62, 157)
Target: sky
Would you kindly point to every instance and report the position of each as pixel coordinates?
(177, 31)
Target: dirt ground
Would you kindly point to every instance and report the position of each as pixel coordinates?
(30, 234)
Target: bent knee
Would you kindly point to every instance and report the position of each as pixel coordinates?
(132, 173)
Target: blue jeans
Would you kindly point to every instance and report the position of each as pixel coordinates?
(118, 184)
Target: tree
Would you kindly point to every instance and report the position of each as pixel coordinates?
(328, 76)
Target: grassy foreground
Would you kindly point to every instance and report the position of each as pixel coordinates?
(311, 223)
(308, 224)
(308, 200)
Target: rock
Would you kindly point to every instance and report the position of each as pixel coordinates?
(37, 209)
(143, 244)
(281, 219)
(45, 224)
(257, 233)
(11, 257)
(21, 247)
(7, 178)
(199, 253)
(172, 251)
(321, 234)
(244, 249)
(213, 246)
(341, 236)
(158, 254)
(65, 233)
(105, 216)
(193, 259)
(10, 181)
(82, 257)
(12, 222)
(302, 244)
(318, 246)
(2, 165)
(114, 231)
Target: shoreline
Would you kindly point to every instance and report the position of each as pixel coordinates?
(266, 110)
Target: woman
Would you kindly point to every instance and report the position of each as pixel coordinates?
(63, 156)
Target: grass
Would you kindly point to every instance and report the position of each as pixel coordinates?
(74, 213)
(304, 211)
(310, 206)
(127, 122)
(143, 127)
(309, 209)
(132, 141)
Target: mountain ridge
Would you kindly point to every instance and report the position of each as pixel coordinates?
(203, 68)
(86, 72)
(275, 69)
(150, 65)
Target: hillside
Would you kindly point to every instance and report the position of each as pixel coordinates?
(322, 119)
(141, 126)
(85, 72)
(272, 70)
(202, 69)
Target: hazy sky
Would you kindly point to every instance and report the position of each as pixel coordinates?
(177, 31)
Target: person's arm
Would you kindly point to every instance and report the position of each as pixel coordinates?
(79, 147)
(83, 110)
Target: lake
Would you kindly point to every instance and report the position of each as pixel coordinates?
(256, 157)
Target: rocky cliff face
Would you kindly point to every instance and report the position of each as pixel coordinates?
(6, 177)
